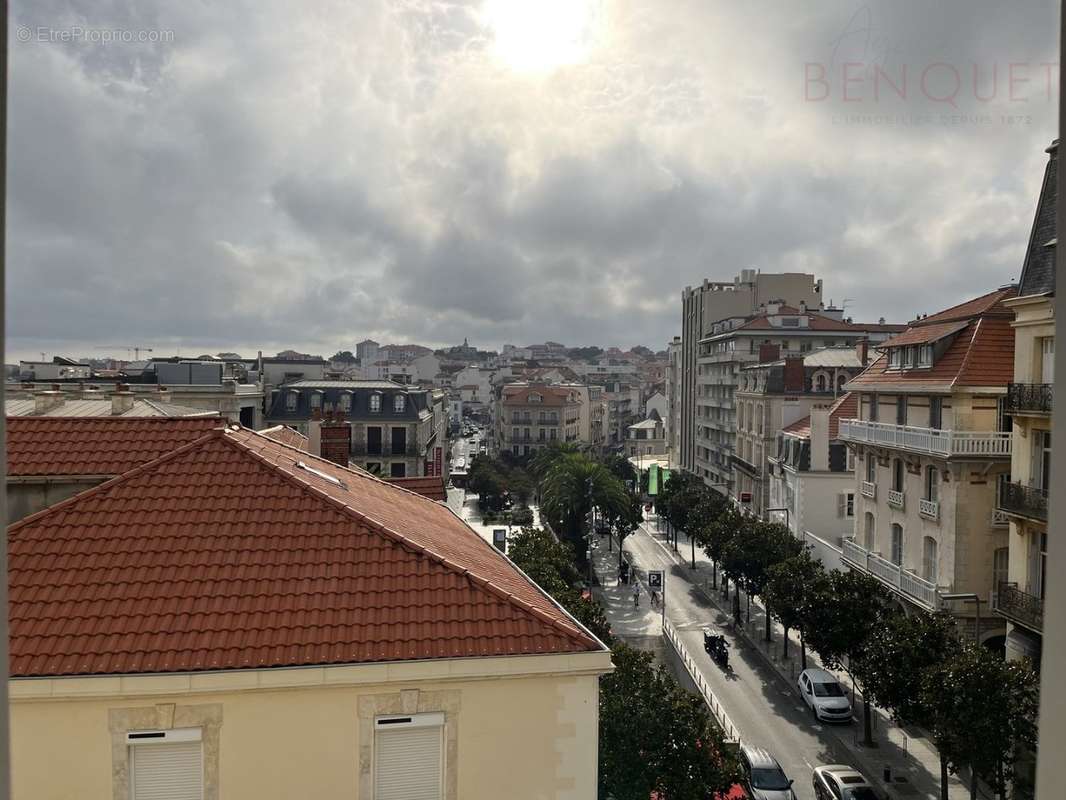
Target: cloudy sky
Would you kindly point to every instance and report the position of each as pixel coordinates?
(202, 176)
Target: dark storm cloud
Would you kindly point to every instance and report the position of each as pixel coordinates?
(268, 178)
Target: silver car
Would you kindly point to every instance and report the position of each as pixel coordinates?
(840, 782)
(763, 777)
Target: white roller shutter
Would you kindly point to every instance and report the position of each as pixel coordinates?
(166, 769)
(408, 757)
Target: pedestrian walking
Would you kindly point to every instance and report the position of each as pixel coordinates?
(636, 595)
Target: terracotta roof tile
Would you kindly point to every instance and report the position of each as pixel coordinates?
(924, 334)
(801, 428)
(847, 407)
(428, 486)
(990, 303)
(236, 551)
(96, 445)
(287, 435)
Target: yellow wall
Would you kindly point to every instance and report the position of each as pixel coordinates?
(527, 737)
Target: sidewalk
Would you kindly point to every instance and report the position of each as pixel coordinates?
(627, 621)
(909, 756)
(467, 510)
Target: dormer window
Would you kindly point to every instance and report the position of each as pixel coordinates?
(291, 400)
(908, 357)
(895, 357)
(375, 403)
(534, 398)
(346, 402)
(399, 403)
(316, 400)
(925, 355)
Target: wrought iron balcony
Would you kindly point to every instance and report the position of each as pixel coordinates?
(744, 464)
(987, 444)
(1029, 398)
(1023, 501)
(1020, 607)
(904, 581)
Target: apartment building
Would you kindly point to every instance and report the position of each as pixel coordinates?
(1024, 498)
(395, 431)
(931, 442)
(326, 637)
(532, 416)
(672, 418)
(707, 304)
(812, 481)
(770, 396)
(777, 331)
(647, 437)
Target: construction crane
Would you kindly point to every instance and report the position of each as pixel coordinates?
(136, 350)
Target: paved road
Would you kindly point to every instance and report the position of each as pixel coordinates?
(760, 703)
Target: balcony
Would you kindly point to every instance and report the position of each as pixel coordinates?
(868, 489)
(745, 465)
(1023, 501)
(1029, 398)
(385, 449)
(932, 441)
(930, 509)
(895, 499)
(904, 581)
(1020, 607)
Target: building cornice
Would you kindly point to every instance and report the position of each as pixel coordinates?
(592, 663)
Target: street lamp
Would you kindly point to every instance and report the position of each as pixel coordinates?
(968, 597)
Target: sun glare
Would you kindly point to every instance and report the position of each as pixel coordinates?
(541, 35)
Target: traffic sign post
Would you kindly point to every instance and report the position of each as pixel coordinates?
(657, 583)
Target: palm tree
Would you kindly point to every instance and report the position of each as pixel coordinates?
(544, 459)
(572, 485)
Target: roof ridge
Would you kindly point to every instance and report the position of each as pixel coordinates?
(15, 527)
(383, 528)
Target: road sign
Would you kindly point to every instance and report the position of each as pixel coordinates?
(655, 579)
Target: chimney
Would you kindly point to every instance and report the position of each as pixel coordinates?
(862, 350)
(881, 321)
(769, 352)
(45, 401)
(803, 306)
(335, 439)
(820, 438)
(795, 375)
(164, 394)
(121, 400)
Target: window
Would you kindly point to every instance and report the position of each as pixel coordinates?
(895, 357)
(897, 544)
(291, 400)
(373, 440)
(534, 398)
(873, 407)
(929, 559)
(514, 433)
(932, 483)
(868, 529)
(373, 467)
(375, 403)
(925, 355)
(316, 400)
(1040, 470)
(399, 403)
(397, 469)
(901, 409)
(399, 441)
(346, 402)
(908, 357)
(897, 475)
(165, 764)
(999, 566)
(1047, 359)
(871, 467)
(842, 378)
(846, 505)
(409, 757)
(936, 412)
(850, 506)
(820, 384)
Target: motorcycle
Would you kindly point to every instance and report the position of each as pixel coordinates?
(717, 648)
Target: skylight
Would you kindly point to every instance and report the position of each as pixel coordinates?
(320, 474)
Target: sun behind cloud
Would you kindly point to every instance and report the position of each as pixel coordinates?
(539, 36)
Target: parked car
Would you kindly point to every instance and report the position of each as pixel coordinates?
(763, 777)
(824, 695)
(839, 782)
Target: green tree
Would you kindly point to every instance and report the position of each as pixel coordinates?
(716, 533)
(655, 737)
(983, 711)
(344, 356)
(486, 480)
(841, 625)
(620, 467)
(573, 484)
(901, 657)
(623, 521)
(747, 558)
(788, 590)
(546, 458)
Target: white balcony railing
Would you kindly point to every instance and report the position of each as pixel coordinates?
(930, 509)
(868, 489)
(903, 580)
(986, 444)
(999, 519)
(895, 499)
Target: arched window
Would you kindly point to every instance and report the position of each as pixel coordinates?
(821, 383)
(897, 475)
(842, 378)
(929, 565)
(869, 531)
(897, 544)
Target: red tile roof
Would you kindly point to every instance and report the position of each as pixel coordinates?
(237, 552)
(817, 322)
(801, 428)
(287, 435)
(551, 395)
(430, 486)
(981, 354)
(924, 334)
(57, 446)
(847, 407)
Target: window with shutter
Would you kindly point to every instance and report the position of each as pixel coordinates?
(408, 757)
(166, 765)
